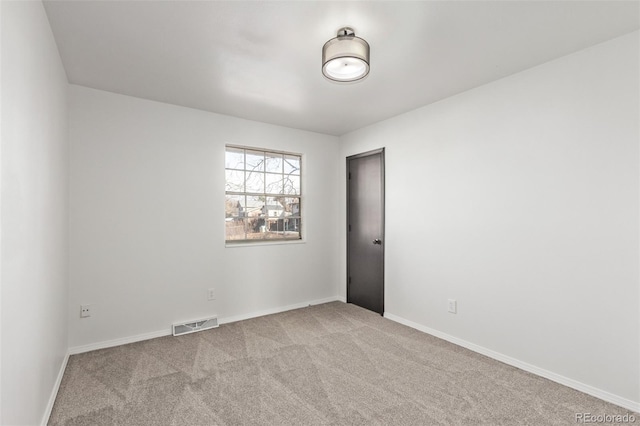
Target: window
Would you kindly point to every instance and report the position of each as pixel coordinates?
(263, 195)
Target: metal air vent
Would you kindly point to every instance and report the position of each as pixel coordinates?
(193, 326)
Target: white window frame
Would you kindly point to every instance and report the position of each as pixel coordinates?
(300, 216)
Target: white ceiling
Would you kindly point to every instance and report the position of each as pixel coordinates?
(262, 60)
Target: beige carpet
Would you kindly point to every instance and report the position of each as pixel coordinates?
(332, 364)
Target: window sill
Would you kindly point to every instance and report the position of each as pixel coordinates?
(263, 243)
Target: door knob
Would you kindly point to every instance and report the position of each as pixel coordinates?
(377, 241)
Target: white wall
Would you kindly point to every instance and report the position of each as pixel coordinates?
(147, 219)
(34, 213)
(520, 199)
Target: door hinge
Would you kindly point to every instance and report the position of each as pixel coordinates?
(349, 175)
(349, 227)
(349, 280)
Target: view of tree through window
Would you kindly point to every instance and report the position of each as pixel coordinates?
(262, 195)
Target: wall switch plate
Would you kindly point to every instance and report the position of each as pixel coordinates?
(211, 294)
(85, 311)
(453, 306)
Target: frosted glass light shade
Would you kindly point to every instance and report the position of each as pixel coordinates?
(346, 57)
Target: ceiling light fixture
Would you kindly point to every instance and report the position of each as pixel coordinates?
(346, 57)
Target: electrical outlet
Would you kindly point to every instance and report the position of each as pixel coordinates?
(211, 294)
(85, 311)
(453, 306)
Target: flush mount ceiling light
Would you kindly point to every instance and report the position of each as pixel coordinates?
(346, 57)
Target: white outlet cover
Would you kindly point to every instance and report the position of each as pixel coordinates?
(453, 306)
(85, 311)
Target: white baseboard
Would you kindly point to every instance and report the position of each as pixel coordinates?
(341, 299)
(588, 389)
(54, 392)
(256, 314)
(161, 333)
(117, 342)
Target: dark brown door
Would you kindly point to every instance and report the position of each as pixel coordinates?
(365, 230)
